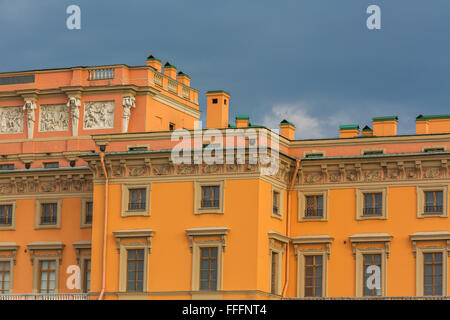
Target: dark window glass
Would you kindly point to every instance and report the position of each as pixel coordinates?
(274, 275)
(433, 201)
(51, 165)
(89, 208)
(210, 197)
(49, 214)
(314, 155)
(370, 260)
(276, 203)
(368, 153)
(313, 276)
(87, 276)
(6, 214)
(9, 166)
(373, 204)
(135, 270)
(47, 276)
(432, 274)
(214, 101)
(314, 206)
(5, 274)
(137, 199)
(208, 268)
(171, 126)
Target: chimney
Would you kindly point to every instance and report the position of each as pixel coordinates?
(349, 131)
(184, 78)
(217, 106)
(287, 130)
(170, 70)
(367, 131)
(154, 63)
(242, 121)
(433, 124)
(385, 126)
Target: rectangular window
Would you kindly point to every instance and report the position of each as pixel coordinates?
(48, 165)
(47, 276)
(137, 199)
(171, 126)
(433, 202)
(276, 203)
(374, 152)
(370, 260)
(89, 207)
(314, 155)
(215, 101)
(434, 150)
(49, 213)
(373, 204)
(208, 268)
(432, 273)
(135, 270)
(87, 276)
(274, 274)
(210, 197)
(5, 274)
(314, 206)
(313, 275)
(9, 166)
(6, 214)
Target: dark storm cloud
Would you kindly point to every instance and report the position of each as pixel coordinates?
(313, 61)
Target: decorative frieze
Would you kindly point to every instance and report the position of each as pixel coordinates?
(99, 115)
(53, 118)
(11, 120)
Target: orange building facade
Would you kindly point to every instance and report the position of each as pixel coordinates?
(93, 204)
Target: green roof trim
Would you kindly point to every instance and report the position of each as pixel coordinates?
(367, 128)
(182, 74)
(349, 127)
(388, 118)
(284, 122)
(217, 91)
(150, 57)
(429, 117)
(242, 117)
(169, 65)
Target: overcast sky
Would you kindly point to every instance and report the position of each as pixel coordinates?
(313, 62)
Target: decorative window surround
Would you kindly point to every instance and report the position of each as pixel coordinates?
(124, 246)
(383, 238)
(422, 238)
(421, 200)
(196, 243)
(280, 214)
(13, 217)
(11, 249)
(83, 223)
(198, 196)
(302, 245)
(277, 244)
(302, 205)
(83, 251)
(360, 203)
(55, 248)
(38, 213)
(126, 212)
(359, 257)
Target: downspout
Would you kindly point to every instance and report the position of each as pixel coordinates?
(288, 225)
(105, 223)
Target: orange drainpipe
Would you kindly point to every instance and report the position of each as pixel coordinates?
(288, 225)
(102, 160)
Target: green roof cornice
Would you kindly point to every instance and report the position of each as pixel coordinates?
(217, 91)
(242, 117)
(388, 118)
(150, 57)
(169, 65)
(349, 127)
(430, 117)
(285, 122)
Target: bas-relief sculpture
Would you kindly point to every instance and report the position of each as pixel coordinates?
(99, 115)
(11, 120)
(53, 118)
